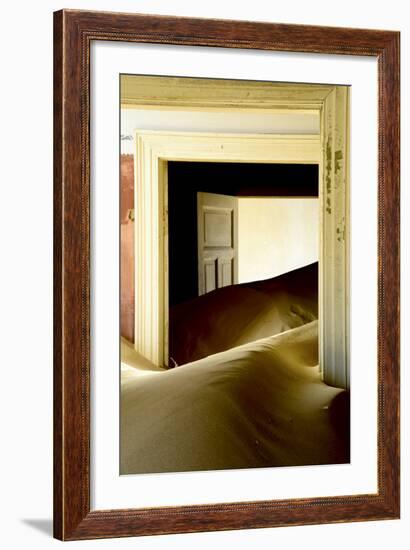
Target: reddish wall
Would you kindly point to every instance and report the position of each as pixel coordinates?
(127, 247)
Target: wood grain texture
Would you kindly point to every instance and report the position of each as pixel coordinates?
(74, 31)
(58, 279)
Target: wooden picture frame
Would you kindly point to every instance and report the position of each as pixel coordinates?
(74, 32)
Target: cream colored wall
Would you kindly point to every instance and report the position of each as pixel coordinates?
(214, 121)
(276, 235)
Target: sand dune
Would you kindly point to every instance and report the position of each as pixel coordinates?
(237, 314)
(261, 404)
(247, 393)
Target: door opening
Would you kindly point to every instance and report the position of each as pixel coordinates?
(258, 230)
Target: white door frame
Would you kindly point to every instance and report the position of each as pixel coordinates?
(330, 150)
(153, 150)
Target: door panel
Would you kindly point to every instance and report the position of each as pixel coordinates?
(217, 218)
(217, 226)
(210, 277)
(225, 272)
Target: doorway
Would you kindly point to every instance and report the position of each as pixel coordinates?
(154, 150)
(234, 181)
(237, 224)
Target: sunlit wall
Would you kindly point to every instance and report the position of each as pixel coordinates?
(276, 235)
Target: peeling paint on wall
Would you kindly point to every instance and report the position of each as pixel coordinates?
(341, 230)
(127, 247)
(328, 178)
(338, 159)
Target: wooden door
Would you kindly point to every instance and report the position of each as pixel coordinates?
(217, 218)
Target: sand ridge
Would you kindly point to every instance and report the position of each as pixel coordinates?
(261, 404)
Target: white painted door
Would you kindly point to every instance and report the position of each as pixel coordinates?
(217, 217)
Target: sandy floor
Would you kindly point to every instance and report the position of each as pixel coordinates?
(238, 314)
(134, 364)
(261, 404)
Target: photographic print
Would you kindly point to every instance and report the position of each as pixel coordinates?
(210, 297)
(234, 260)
